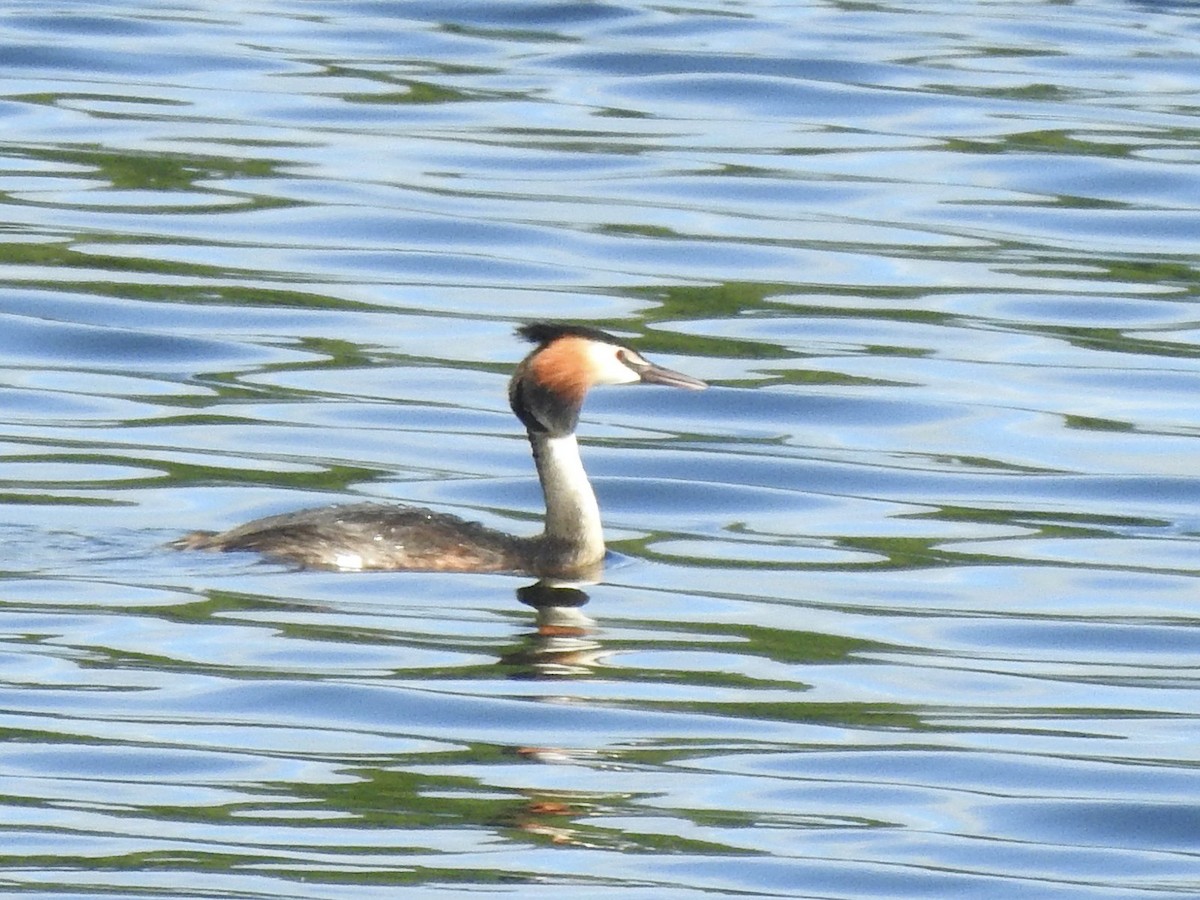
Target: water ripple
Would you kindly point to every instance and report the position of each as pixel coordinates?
(903, 606)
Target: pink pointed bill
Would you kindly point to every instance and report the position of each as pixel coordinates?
(653, 374)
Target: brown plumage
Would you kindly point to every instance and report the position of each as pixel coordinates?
(373, 536)
(565, 368)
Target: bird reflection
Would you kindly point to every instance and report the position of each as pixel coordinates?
(562, 644)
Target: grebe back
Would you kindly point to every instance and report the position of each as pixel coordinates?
(546, 393)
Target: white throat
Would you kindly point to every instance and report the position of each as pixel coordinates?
(572, 513)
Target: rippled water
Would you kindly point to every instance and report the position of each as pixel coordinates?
(905, 606)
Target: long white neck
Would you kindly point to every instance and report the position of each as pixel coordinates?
(573, 527)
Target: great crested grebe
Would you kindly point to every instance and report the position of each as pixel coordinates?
(546, 393)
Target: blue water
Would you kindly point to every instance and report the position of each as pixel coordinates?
(905, 606)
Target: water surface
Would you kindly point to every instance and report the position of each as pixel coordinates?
(904, 606)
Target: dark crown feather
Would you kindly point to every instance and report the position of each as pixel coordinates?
(543, 333)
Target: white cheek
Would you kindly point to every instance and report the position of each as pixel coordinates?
(606, 368)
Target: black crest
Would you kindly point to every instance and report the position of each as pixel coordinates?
(543, 333)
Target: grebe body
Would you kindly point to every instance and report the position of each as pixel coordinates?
(546, 393)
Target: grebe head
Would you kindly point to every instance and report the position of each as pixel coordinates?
(547, 390)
